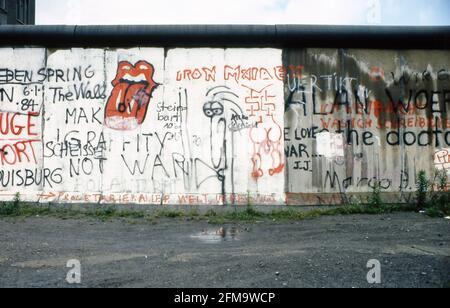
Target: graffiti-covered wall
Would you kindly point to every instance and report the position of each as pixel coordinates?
(360, 119)
(219, 126)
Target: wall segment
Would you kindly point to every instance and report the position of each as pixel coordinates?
(357, 118)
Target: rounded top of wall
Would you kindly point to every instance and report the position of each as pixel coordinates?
(290, 36)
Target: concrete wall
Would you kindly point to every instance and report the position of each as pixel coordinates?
(214, 126)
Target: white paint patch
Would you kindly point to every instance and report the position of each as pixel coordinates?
(330, 145)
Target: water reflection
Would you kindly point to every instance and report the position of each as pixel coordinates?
(215, 236)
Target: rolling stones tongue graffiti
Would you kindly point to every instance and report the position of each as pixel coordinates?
(128, 104)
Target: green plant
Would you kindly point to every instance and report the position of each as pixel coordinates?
(352, 201)
(422, 185)
(433, 196)
(250, 211)
(193, 213)
(439, 203)
(442, 178)
(169, 214)
(375, 200)
(211, 213)
(11, 208)
(106, 212)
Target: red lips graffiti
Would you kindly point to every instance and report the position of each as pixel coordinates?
(128, 104)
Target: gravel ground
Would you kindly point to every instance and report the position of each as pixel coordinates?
(414, 251)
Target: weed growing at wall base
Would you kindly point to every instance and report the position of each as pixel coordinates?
(423, 186)
(375, 197)
(11, 208)
(432, 195)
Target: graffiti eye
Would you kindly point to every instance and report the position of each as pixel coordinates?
(218, 111)
(217, 108)
(208, 113)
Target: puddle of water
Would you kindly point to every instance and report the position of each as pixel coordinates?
(215, 236)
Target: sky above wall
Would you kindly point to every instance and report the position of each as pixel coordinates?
(340, 12)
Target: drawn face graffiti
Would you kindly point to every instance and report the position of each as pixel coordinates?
(213, 109)
(128, 104)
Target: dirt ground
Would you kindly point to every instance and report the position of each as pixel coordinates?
(414, 251)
